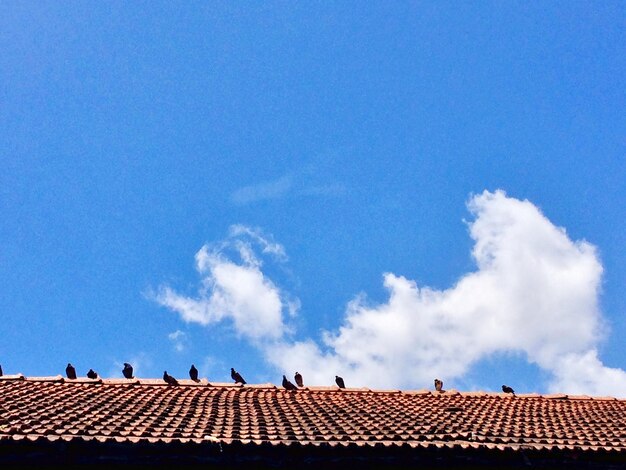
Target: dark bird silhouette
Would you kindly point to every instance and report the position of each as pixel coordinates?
(169, 379)
(236, 376)
(298, 379)
(193, 373)
(339, 381)
(288, 385)
(507, 389)
(127, 370)
(70, 371)
(1, 373)
(438, 385)
(92, 374)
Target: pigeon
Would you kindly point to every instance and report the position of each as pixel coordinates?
(127, 370)
(339, 382)
(288, 385)
(236, 376)
(92, 374)
(169, 379)
(438, 385)
(298, 379)
(507, 389)
(70, 371)
(193, 373)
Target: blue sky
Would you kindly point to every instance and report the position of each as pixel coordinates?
(392, 192)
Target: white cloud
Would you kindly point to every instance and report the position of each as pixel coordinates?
(535, 292)
(238, 291)
(584, 373)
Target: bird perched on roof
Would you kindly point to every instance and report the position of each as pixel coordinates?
(507, 389)
(1, 373)
(288, 385)
(339, 381)
(236, 376)
(92, 374)
(298, 378)
(127, 370)
(70, 371)
(169, 379)
(439, 385)
(193, 373)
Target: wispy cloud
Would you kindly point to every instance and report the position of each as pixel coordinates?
(534, 292)
(213, 367)
(179, 340)
(266, 190)
(268, 246)
(291, 185)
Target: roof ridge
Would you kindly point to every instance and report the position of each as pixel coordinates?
(315, 388)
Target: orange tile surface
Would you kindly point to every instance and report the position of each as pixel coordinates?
(149, 410)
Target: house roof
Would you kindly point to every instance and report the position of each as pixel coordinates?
(148, 410)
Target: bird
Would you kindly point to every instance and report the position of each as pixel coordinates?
(92, 374)
(70, 371)
(1, 373)
(438, 385)
(339, 382)
(288, 385)
(507, 389)
(298, 379)
(193, 373)
(127, 370)
(169, 379)
(236, 376)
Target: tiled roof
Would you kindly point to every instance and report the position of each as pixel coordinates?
(139, 410)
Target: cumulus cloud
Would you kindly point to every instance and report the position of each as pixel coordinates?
(534, 292)
(235, 290)
(584, 373)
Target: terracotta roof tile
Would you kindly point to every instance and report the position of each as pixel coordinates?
(149, 410)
